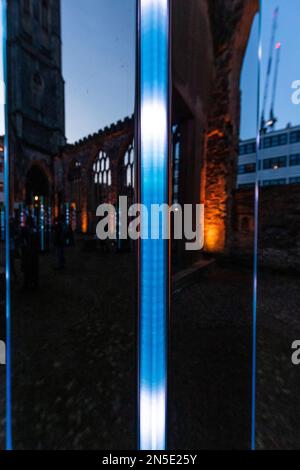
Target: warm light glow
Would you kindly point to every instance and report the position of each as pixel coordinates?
(84, 221)
(214, 237)
(215, 133)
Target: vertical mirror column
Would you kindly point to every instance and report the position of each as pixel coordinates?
(278, 327)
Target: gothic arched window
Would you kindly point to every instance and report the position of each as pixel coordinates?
(102, 170)
(129, 167)
(26, 7)
(74, 176)
(45, 16)
(176, 138)
(36, 10)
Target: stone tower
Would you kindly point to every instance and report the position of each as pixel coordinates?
(35, 95)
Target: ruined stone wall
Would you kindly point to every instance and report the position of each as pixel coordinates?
(114, 141)
(35, 90)
(231, 24)
(209, 42)
(279, 226)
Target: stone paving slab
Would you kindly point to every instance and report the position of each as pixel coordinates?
(74, 373)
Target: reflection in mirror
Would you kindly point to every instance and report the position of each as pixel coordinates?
(278, 405)
(214, 110)
(2, 238)
(71, 100)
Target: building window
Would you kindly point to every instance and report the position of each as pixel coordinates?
(274, 163)
(101, 169)
(37, 90)
(26, 7)
(246, 186)
(45, 16)
(275, 182)
(275, 141)
(295, 180)
(294, 137)
(129, 167)
(75, 179)
(247, 168)
(246, 149)
(295, 159)
(36, 10)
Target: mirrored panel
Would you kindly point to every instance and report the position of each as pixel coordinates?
(71, 104)
(2, 240)
(278, 406)
(214, 122)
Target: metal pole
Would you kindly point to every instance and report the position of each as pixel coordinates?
(7, 234)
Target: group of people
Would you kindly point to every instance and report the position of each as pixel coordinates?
(25, 243)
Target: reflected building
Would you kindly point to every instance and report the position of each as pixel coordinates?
(35, 97)
(75, 179)
(279, 159)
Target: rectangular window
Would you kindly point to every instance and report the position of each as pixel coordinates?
(275, 182)
(294, 180)
(26, 6)
(247, 148)
(274, 163)
(246, 186)
(295, 159)
(248, 168)
(36, 10)
(294, 137)
(275, 141)
(45, 19)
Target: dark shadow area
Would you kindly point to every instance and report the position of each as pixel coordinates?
(211, 362)
(74, 355)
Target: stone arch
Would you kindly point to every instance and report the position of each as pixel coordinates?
(127, 146)
(230, 40)
(76, 192)
(39, 182)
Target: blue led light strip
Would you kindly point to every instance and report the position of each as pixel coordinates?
(153, 175)
(256, 229)
(7, 238)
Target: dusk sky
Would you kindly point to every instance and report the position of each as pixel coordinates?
(98, 63)
(99, 54)
(288, 34)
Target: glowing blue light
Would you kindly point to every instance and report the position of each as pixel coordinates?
(153, 254)
(67, 214)
(3, 23)
(2, 218)
(42, 224)
(256, 234)
(49, 219)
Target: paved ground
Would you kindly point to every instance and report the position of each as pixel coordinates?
(74, 359)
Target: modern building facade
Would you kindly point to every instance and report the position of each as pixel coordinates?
(279, 159)
(99, 168)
